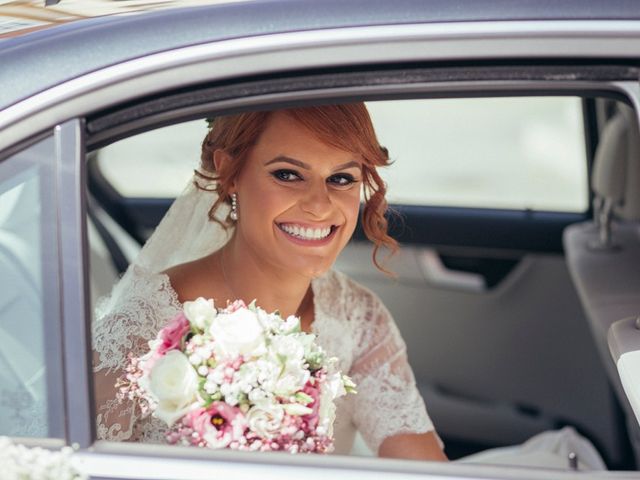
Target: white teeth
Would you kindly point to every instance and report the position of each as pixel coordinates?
(306, 233)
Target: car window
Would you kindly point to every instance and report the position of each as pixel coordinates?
(506, 153)
(155, 164)
(28, 298)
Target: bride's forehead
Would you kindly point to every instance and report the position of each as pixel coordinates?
(284, 136)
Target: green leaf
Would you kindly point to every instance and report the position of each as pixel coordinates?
(303, 398)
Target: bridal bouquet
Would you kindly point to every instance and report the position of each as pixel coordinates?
(238, 378)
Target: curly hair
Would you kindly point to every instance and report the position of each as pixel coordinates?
(347, 127)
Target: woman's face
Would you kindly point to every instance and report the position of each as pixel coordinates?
(298, 199)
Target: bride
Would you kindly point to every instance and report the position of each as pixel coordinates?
(275, 201)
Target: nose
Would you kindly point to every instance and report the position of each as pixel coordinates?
(316, 201)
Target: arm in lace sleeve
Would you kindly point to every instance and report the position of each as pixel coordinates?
(125, 323)
(115, 420)
(388, 402)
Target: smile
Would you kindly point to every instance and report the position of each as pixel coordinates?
(306, 233)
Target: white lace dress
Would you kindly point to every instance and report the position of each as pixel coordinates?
(350, 322)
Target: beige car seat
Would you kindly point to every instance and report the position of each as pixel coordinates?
(604, 256)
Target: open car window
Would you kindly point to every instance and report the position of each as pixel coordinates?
(477, 157)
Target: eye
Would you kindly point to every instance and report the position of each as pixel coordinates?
(286, 175)
(342, 179)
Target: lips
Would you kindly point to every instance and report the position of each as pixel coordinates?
(310, 234)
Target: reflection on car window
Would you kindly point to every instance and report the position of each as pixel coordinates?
(27, 261)
(513, 153)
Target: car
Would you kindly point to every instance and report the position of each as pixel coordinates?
(514, 134)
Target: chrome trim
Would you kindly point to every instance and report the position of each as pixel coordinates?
(70, 154)
(318, 49)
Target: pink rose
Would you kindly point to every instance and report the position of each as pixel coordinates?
(218, 425)
(172, 334)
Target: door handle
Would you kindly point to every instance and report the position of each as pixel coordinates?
(438, 275)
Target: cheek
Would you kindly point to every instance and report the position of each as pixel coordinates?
(263, 202)
(351, 208)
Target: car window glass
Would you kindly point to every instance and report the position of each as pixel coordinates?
(28, 304)
(155, 164)
(507, 153)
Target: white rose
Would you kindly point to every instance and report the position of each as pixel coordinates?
(289, 347)
(290, 325)
(237, 333)
(267, 320)
(291, 380)
(265, 419)
(173, 383)
(200, 312)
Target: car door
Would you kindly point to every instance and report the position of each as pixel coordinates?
(492, 243)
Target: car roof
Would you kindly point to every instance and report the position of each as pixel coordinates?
(39, 60)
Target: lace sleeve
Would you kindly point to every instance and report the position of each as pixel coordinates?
(122, 329)
(388, 401)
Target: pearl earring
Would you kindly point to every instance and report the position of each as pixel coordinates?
(234, 207)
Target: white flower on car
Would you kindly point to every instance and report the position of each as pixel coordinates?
(173, 383)
(200, 312)
(265, 419)
(20, 462)
(237, 333)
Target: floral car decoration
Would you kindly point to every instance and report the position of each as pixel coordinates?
(238, 378)
(21, 463)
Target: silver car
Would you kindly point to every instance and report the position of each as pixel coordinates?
(513, 127)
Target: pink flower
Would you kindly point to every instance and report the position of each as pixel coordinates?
(218, 425)
(236, 305)
(311, 420)
(172, 334)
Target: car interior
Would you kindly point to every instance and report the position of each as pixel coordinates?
(505, 309)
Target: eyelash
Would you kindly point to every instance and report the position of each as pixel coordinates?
(283, 176)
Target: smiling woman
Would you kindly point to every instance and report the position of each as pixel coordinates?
(288, 187)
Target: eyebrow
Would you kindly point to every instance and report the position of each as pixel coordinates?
(306, 166)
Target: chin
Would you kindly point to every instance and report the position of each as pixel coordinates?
(313, 269)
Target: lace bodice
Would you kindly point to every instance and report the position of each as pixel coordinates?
(350, 322)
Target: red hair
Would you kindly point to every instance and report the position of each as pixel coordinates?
(346, 127)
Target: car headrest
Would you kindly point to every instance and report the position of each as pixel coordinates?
(630, 208)
(610, 163)
(616, 169)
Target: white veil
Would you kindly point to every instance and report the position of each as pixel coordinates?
(185, 233)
